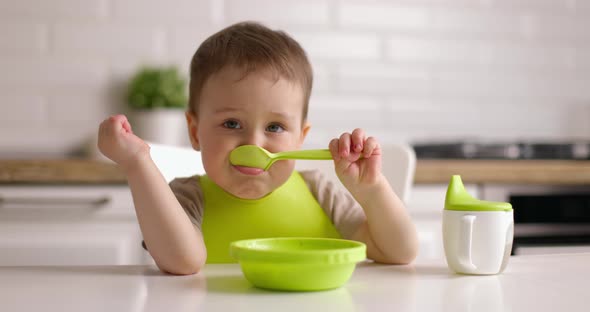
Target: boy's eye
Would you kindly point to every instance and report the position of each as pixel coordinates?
(275, 128)
(232, 124)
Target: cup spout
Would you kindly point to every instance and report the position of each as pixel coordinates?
(457, 198)
(456, 192)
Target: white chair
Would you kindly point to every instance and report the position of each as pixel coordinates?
(399, 165)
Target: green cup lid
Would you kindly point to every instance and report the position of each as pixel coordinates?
(457, 198)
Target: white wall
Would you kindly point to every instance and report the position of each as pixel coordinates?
(404, 70)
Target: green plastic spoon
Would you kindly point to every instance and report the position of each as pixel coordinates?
(257, 157)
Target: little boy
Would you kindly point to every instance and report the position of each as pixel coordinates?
(251, 85)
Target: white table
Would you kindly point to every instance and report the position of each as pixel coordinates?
(530, 283)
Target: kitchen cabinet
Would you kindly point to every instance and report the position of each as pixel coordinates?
(69, 225)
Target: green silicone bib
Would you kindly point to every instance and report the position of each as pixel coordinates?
(289, 211)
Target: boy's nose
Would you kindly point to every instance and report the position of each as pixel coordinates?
(254, 138)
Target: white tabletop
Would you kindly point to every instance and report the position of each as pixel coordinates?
(530, 283)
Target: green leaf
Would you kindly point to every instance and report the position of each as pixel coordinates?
(157, 87)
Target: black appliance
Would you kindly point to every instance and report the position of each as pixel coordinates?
(538, 222)
(503, 150)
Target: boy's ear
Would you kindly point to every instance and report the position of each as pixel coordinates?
(192, 125)
(304, 131)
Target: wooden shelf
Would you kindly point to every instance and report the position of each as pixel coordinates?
(550, 172)
(555, 172)
(60, 171)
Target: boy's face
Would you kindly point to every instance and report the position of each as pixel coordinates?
(257, 110)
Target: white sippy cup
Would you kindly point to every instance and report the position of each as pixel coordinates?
(477, 234)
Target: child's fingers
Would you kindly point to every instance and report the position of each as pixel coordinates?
(371, 147)
(358, 138)
(113, 127)
(344, 145)
(117, 122)
(334, 149)
(117, 119)
(127, 126)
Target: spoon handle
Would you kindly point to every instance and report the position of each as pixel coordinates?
(317, 154)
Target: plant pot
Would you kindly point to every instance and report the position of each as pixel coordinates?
(164, 126)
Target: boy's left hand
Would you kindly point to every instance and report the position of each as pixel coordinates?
(357, 159)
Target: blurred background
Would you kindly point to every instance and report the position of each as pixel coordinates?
(423, 70)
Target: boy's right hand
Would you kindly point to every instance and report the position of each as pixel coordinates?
(117, 141)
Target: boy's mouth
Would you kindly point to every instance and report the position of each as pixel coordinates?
(249, 170)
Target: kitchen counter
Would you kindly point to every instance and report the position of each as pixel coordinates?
(550, 172)
(530, 283)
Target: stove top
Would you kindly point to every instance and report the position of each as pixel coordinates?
(503, 150)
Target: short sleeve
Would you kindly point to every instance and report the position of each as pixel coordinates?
(345, 212)
(190, 196)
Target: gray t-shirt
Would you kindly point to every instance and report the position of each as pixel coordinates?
(342, 209)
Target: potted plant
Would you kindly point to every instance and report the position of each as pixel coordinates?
(157, 97)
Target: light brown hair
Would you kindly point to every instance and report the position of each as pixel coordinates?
(250, 46)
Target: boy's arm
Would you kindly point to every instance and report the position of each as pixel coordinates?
(174, 243)
(388, 231)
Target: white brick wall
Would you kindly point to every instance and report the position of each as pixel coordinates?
(160, 11)
(304, 13)
(404, 70)
(54, 10)
(21, 37)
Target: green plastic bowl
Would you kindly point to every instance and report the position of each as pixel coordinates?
(297, 263)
